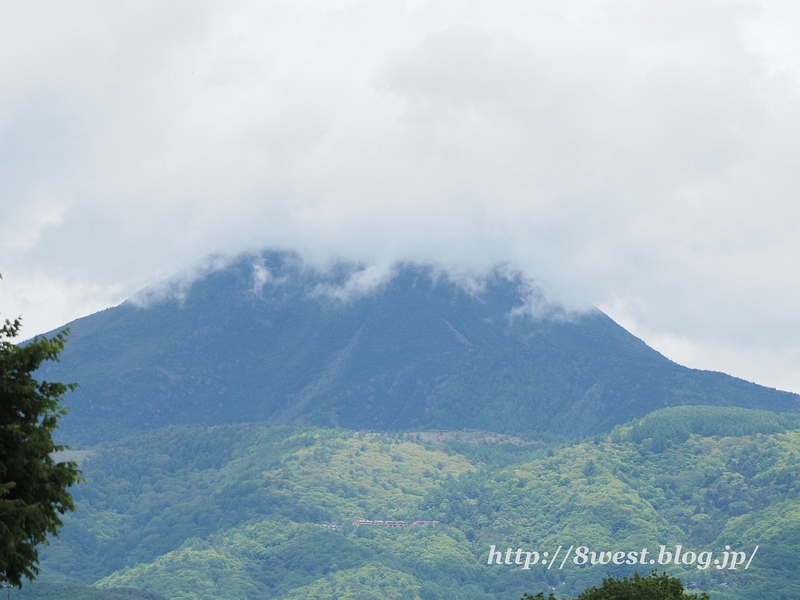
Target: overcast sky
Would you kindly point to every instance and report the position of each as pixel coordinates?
(640, 156)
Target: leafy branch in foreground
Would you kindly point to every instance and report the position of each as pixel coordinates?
(652, 587)
(33, 487)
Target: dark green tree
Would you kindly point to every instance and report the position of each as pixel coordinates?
(33, 487)
(652, 587)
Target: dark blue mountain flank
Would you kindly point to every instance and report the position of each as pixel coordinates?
(266, 339)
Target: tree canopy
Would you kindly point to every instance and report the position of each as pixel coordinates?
(652, 587)
(33, 487)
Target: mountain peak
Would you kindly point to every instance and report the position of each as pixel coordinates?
(266, 337)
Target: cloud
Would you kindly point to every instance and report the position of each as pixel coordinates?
(639, 156)
(361, 282)
(179, 285)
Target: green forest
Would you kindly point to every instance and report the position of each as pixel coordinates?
(237, 511)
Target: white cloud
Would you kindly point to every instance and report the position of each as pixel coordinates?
(179, 285)
(361, 282)
(638, 155)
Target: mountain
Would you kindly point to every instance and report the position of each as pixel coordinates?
(254, 511)
(266, 338)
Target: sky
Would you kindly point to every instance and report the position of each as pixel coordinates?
(638, 156)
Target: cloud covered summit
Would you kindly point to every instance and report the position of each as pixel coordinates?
(637, 156)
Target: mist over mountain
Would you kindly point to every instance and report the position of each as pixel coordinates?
(265, 338)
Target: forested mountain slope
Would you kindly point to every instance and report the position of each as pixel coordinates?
(235, 511)
(38, 590)
(267, 339)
